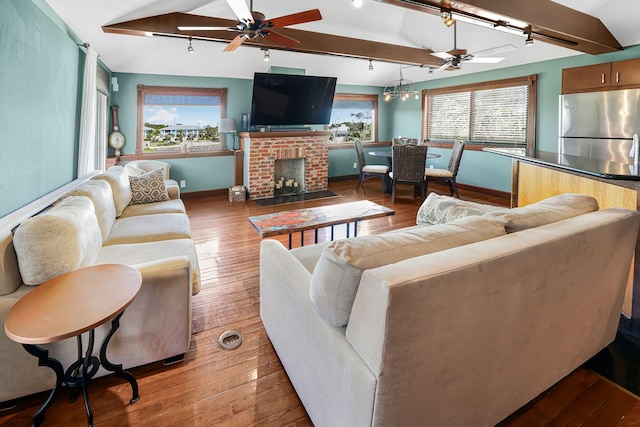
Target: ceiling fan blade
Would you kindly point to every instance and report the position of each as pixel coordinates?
(296, 18)
(485, 60)
(235, 43)
(241, 10)
(496, 50)
(442, 55)
(206, 29)
(443, 66)
(282, 40)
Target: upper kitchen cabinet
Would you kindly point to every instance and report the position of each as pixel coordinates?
(625, 73)
(606, 76)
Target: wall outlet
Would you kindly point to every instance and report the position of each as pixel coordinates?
(355, 166)
(183, 183)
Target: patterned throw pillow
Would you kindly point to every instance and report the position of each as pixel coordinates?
(148, 188)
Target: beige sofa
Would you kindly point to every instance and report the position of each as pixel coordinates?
(95, 223)
(453, 324)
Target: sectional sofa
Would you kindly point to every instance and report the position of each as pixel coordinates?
(110, 218)
(457, 321)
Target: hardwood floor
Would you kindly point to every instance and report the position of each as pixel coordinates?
(247, 386)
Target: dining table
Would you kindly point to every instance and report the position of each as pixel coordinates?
(387, 155)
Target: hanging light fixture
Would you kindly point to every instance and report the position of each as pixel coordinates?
(370, 66)
(401, 88)
(266, 54)
(190, 48)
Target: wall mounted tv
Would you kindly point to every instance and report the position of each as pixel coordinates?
(291, 100)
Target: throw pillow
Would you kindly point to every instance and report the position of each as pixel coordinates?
(552, 209)
(336, 277)
(148, 188)
(62, 239)
(438, 209)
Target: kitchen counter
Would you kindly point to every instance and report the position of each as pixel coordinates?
(587, 165)
(541, 174)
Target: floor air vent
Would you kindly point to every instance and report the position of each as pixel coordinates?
(230, 340)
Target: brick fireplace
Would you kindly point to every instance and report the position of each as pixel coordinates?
(262, 149)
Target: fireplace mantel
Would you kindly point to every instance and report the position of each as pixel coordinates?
(262, 149)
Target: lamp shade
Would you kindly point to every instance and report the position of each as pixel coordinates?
(228, 125)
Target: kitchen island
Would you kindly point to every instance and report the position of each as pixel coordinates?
(541, 174)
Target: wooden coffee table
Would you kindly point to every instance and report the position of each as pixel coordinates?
(66, 307)
(300, 220)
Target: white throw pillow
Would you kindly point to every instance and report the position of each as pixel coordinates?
(437, 209)
(336, 277)
(552, 209)
(60, 240)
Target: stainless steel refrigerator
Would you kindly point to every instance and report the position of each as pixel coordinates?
(602, 125)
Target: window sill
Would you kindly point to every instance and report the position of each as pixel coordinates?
(475, 146)
(178, 155)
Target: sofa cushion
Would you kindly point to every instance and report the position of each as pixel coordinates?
(170, 206)
(119, 181)
(546, 211)
(139, 253)
(336, 277)
(99, 192)
(62, 239)
(437, 209)
(148, 188)
(149, 228)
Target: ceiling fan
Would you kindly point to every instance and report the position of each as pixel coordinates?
(453, 59)
(252, 24)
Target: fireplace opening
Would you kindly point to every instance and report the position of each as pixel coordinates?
(289, 177)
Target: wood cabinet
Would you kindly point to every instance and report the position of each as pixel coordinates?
(606, 76)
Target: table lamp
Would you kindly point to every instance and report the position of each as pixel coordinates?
(228, 126)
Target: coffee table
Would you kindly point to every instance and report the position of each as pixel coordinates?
(66, 307)
(300, 220)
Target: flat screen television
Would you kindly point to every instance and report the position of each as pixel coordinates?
(291, 100)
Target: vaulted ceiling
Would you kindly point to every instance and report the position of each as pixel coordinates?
(389, 32)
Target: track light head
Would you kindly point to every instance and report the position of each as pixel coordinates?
(370, 66)
(529, 40)
(190, 48)
(445, 14)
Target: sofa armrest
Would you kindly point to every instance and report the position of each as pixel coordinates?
(157, 325)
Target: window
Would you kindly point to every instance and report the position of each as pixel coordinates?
(354, 116)
(495, 112)
(175, 119)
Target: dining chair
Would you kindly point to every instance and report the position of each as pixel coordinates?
(407, 167)
(447, 176)
(404, 141)
(368, 171)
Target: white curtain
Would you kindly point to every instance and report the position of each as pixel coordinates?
(87, 148)
(102, 130)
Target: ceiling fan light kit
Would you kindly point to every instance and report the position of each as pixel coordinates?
(267, 55)
(357, 3)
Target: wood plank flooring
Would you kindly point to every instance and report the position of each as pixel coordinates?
(247, 386)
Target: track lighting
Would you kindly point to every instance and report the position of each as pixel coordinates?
(266, 54)
(529, 40)
(445, 14)
(190, 48)
(370, 66)
(357, 3)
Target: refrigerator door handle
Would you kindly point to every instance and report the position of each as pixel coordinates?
(635, 149)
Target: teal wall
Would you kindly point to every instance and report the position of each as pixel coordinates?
(490, 170)
(40, 71)
(210, 173)
(40, 80)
